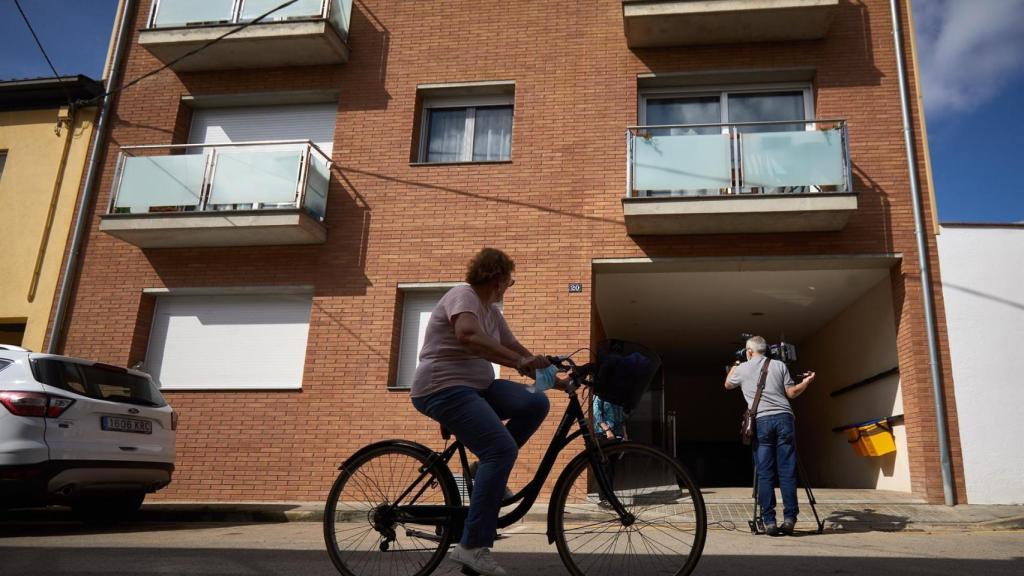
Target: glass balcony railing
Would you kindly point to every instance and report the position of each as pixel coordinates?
(741, 158)
(222, 177)
(183, 13)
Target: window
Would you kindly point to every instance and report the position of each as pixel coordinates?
(467, 129)
(700, 112)
(3, 162)
(4, 364)
(417, 306)
(97, 381)
(753, 104)
(242, 341)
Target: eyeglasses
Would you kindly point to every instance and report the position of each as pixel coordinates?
(511, 282)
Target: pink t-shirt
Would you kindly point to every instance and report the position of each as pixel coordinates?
(444, 362)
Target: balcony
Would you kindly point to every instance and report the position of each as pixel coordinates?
(305, 33)
(655, 23)
(750, 177)
(241, 194)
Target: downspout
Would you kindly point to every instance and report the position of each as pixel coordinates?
(68, 122)
(88, 186)
(925, 269)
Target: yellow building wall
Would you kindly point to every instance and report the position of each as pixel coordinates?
(26, 188)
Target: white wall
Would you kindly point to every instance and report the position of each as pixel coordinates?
(858, 343)
(983, 287)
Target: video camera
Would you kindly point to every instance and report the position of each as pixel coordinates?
(783, 351)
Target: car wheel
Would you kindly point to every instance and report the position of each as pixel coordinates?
(107, 508)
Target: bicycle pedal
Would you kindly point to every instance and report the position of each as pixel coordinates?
(469, 571)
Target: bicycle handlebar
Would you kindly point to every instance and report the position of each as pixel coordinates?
(566, 364)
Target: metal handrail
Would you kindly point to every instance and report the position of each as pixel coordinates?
(301, 186)
(228, 145)
(736, 148)
(759, 123)
(236, 15)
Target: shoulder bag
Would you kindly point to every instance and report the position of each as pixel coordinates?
(747, 426)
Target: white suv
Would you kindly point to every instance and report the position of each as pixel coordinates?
(89, 435)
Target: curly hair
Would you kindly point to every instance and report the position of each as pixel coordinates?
(489, 264)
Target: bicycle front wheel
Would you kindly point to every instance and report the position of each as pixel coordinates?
(668, 527)
(363, 524)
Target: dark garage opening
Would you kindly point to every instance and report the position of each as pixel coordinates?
(838, 312)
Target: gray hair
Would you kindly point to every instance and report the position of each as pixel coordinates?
(757, 344)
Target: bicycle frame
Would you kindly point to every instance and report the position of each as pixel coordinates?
(413, 513)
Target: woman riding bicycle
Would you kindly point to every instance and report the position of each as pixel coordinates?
(455, 385)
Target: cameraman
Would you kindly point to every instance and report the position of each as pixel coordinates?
(775, 435)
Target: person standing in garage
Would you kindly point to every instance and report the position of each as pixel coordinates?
(774, 442)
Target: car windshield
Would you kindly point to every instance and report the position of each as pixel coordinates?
(97, 381)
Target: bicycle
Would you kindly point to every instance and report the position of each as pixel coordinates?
(395, 507)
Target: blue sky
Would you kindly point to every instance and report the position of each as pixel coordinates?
(972, 68)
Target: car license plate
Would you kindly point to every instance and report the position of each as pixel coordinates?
(126, 425)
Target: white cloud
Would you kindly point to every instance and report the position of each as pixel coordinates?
(968, 49)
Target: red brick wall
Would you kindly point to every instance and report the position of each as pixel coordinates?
(554, 208)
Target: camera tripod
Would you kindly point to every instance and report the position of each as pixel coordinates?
(756, 523)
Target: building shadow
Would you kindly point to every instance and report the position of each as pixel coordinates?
(864, 520)
(845, 57)
(364, 86)
(144, 561)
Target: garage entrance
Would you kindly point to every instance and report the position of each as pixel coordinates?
(838, 312)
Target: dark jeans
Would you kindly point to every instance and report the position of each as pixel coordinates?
(475, 416)
(775, 449)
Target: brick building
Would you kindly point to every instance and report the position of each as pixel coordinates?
(276, 288)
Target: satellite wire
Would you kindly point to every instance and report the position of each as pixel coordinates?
(67, 94)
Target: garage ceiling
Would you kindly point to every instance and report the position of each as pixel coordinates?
(700, 314)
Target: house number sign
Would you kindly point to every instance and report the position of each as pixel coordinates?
(575, 288)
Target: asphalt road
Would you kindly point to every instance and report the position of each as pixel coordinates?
(57, 549)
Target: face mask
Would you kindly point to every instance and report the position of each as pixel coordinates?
(545, 378)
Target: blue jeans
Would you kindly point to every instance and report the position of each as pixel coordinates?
(475, 416)
(775, 448)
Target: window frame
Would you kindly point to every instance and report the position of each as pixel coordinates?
(722, 92)
(470, 104)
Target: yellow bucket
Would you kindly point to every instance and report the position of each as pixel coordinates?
(874, 439)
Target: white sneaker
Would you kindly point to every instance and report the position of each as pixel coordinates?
(477, 559)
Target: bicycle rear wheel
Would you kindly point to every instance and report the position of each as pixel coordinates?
(363, 530)
(667, 535)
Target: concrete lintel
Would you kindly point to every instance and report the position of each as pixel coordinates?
(426, 286)
(208, 229)
(482, 88)
(652, 23)
(261, 98)
(725, 77)
(302, 290)
(276, 44)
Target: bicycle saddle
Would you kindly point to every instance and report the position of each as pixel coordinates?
(445, 433)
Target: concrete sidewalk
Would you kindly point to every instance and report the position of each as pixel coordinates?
(728, 508)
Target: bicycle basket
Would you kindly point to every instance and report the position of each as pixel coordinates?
(625, 370)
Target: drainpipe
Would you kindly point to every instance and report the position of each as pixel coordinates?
(88, 186)
(922, 256)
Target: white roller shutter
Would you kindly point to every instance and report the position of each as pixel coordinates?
(229, 342)
(258, 123)
(416, 310)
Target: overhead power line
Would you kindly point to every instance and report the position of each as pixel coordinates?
(236, 30)
(67, 94)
